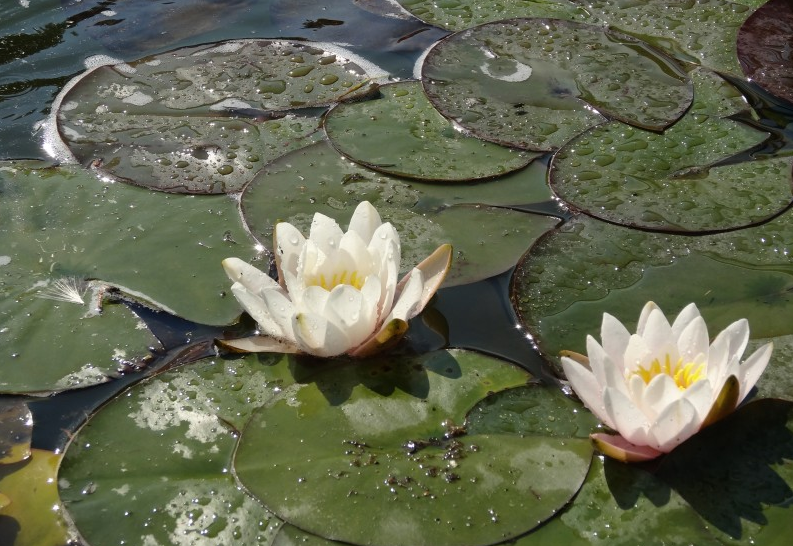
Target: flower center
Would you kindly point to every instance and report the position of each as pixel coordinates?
(684, 374)
(329, 282)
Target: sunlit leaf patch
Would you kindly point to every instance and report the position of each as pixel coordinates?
(401, 133)
(536, 83)
(204, 119)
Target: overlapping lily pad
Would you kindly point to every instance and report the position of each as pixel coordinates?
(402, 134)
(679, 180)
(537, 83)
(486, 240)
(385, 436)
(204, 119)
(588, 267)
(701, 31)
(156, 461)
(16, 430)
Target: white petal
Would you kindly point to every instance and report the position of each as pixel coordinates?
(657, 334)
(614, 337)
(693, 342)
(325, 233)
(648, 308)
(407, 305)
(365, 220)
(628, 420)
(257, 309)
(587, 388)
(636, 353)
(247, 275)
(318, 336)
(660, 392)
(606, 373)
(686, 315)
(677, 423)
(314, 299)
(700, 395)
(346, 308)
(726, 350)
(371, 295)
(281, 310)
(433, 269)
(753, 368)
(288, 243)
(354, 255)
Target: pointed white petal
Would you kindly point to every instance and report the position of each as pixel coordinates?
(346, 308)
(657, 333)
(686, 315)
(288, 243)
(700, 395)
(407, 304)
(317, 336)
(433, 269)
(365, 220)
(247, 275)
(314, 299)
(587, 388)
(257, 309)
(660, 392)
(636, 353)
(693, 344)
(676, 424)
(726, 350)
(281, 310)
(628, 420)
(648, 308)
(325, 233)
(751, 370)
(614, 337)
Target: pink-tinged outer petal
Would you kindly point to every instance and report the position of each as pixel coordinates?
(587, 388)
(318, 336)
(628, 419)
(648, 308)
(247, 275)
(258, 310)
(433, 270)
(619, 448)
(325, 233)
(407, 304)
(614, 337)
(686, 315)
(288, 243)
(674, 425)
(256, 344)
(693, 343)
(365, 220)
(751, 370)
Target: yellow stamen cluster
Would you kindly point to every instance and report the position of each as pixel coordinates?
(684, 374)
(328, 283)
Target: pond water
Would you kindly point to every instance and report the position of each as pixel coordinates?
(667, 187)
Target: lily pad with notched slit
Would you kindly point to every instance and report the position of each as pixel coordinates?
(204, 119)
(537, 83)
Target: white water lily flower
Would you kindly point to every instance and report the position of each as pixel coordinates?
(661, 385)
(337, 292)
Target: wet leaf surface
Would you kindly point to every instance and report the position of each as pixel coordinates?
(387, 434)
(16, 430)
(536, 83)
(681, 180)
(571, 277)
(32, 515)
(486, 240)
(230, 108)
(402, 134)
(156, 460)
(762, 43)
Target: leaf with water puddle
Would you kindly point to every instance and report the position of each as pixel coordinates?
(675, 181)
(486, 240)
(156, 460)
(587, 267)
(32, 515)
(383, 438)
(537, 83)
(16, 430)
(761, 41)
(402, 134)
(204, 119)
(701, 31)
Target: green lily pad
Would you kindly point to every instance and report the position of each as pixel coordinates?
(701, 31)
(384, 436)
(537, 83)
(32, 515)
(63, 222)
(402, 134)
(777, 380)
(486, 240)
(203, 119)
(156, 460)
(759, 42)
(16, 430)
(587, 267)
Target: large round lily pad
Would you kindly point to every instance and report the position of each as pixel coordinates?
(384, 438)
(156, 460)
(486, 240)
(537, 83)
(203, 119)
(587, 267)
(402, 134)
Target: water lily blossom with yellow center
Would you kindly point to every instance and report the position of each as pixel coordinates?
(337, 293)
(658, 387)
